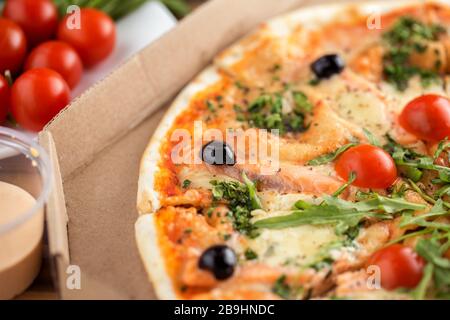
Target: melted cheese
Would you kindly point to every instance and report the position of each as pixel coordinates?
(292, 246)
(296, 246)
(201, 178)
(357, 101)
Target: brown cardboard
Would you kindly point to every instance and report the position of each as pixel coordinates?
(96, 144)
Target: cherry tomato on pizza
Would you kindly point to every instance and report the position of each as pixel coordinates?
(58, 56)
(94, 40)
(38, 18)
(427, 117)
(374, 167)
(13, 46)
(37, 96)
(400, 266)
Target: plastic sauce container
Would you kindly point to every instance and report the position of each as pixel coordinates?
(25, 183)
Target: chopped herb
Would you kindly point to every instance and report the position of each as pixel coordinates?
(227, 237)
(241, 87)
(183, 288)
(241, 201)
(188, 231)
(281, 288)
(405, 37)
(326, 158)
(302, 104)
(276, 67)
(186, 183)
(250, 254)
(266, 112)
(314, 82)
(323, 258)
(210, 106)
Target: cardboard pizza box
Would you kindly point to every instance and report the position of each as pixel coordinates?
(96, 144)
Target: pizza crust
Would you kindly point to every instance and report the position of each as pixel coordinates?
(154, 262)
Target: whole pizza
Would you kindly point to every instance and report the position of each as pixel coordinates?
(309, 161)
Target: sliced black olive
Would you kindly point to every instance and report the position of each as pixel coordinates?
(327, 66)
(220, 260)
(218, 153)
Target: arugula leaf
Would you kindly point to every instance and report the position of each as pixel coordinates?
(429, 250)
(351, 179)
(343, 214)
(372, 139)
(315, 215)
(420, 291)
(437, 210)
(376, 202)
(254, 200)
(443, 144)
(412, 163)
(326, 158)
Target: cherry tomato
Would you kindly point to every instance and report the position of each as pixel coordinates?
(13, 46)
(38, 18)
(374, 167)
(427, 117)
(94, 40)
(58, 56)
(400, 266)
(37, 96)
(4, 98)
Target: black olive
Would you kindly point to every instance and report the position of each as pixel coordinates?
(218, 153)
(220, 260)
(327, 65)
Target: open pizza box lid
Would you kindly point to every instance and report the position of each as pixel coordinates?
(97, 142)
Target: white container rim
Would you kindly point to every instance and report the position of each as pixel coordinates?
(26, 146)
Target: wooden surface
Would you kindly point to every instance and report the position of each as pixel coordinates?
(42, 288)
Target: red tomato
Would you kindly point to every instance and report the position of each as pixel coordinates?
(58, 56)
(94, 40)
(13, 46)
(4, 98)
(38, 18)
(427, 117)
(37, 96)
(400, 266)
(374, 167)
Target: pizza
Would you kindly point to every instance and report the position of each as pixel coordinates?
(309, 161)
